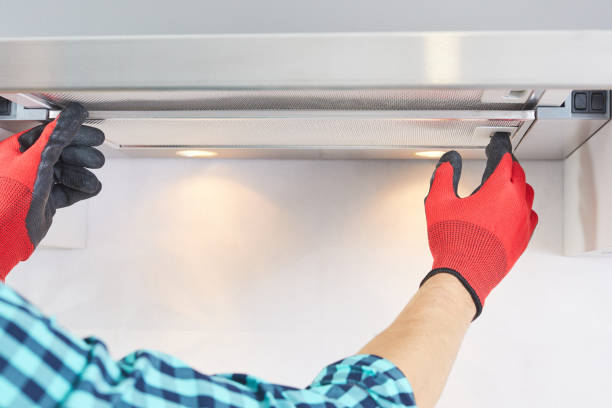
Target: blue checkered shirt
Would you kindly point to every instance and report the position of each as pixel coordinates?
(41, 365)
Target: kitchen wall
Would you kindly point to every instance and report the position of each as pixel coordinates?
(277, 268)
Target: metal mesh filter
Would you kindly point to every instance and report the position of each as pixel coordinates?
(289, 99)
(296, 132)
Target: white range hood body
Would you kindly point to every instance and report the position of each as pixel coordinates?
(367, 95)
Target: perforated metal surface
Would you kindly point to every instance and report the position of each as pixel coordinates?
(291, 120)
(303, 99)
(295, 132)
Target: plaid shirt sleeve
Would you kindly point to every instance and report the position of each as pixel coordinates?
(41, 365)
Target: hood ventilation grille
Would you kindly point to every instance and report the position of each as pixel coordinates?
(298, 99)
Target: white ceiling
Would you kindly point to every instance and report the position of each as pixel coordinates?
(143, 17)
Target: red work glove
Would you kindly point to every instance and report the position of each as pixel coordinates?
(42, 169)
(479, 238)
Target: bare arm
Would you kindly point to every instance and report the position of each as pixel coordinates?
(474, 241)
(424, 339)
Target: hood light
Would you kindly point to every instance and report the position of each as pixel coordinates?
(196, 153)
(430, 154)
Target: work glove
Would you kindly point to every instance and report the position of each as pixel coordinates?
(41, 170)
(479, 238)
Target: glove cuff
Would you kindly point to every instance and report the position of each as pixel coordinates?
(6, 265)
(463, 281)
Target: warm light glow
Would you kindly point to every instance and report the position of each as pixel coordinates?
(431, 154)
(196, 153)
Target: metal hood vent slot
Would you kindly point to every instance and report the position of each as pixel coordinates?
(297, 99)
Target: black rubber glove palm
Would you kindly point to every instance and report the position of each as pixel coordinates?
(72, 181)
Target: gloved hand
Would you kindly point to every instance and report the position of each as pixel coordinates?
(479, 238)
(41, 170)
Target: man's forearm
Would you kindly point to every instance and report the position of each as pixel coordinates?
(424, 339)
(474, 242)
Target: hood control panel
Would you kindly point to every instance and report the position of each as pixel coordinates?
(5, 107)
(589, 101)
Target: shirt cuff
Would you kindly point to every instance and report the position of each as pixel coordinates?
(365, 380)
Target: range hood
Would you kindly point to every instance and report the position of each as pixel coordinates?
(302, 96)
(367, 123)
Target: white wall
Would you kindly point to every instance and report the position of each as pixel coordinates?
(279, 267)
(587, 197)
